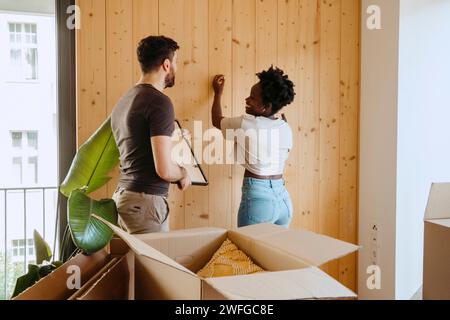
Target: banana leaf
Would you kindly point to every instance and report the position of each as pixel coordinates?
(43, 251)
(93, 162)
(88, 233)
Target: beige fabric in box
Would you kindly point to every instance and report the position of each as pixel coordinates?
(228, 260)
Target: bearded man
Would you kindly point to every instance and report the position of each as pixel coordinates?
(143, 123)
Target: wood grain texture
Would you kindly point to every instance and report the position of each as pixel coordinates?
(220, 49)
(329, 123)
(145, 23)
(244, 69)
(174, 28)
(289, 61)
(196, 101)
(119, 60)
(91, 73)
(308, 90)
(349, 137)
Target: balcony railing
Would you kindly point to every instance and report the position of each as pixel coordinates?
(24, 209)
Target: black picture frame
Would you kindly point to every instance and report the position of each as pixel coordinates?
(196, 166)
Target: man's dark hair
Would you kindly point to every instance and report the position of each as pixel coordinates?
(153, 50)
(276, 88)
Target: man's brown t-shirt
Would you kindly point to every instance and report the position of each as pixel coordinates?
(143, 112)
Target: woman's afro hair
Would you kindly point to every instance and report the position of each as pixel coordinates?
(276, 88)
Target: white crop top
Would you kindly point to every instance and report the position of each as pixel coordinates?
(261, 144)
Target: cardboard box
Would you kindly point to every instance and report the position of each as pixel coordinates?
(105, 275)
(436, 256)
(166, 264)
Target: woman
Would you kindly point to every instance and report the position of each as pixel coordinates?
(264, 196)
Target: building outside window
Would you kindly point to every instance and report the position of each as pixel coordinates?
(24, 157)
(18, 249)
(23, 52)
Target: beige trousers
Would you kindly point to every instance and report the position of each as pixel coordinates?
(140, 212)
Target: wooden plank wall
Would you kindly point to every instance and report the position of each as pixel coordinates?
(315, 41)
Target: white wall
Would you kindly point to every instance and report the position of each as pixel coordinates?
(405, 136)
(423, 128)
(378, 145)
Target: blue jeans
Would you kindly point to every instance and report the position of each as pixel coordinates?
(264, 201)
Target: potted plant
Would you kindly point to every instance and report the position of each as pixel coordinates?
(89, 172)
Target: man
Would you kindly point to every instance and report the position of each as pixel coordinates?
(143, 123)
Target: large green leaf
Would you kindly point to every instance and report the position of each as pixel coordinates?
(89, 234)
(93, 162)
(42, 249)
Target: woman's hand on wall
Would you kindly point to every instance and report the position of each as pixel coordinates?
(218, 84)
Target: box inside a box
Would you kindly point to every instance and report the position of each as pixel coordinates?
(54, 286)
(115, 281)
(96, 271)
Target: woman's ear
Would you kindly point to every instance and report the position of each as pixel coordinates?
(262, 109)
(268, 108)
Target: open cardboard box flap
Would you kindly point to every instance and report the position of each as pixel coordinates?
(312, 248)
(54, 286)
(107, 273)
(304, 283)
(438, 206)
(307, 283)
(143, 249)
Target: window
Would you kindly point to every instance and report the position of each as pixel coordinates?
(25, 157)
(23, 52)
(16, 139)
(18, 247)
(33, 169)
(17, 170)
(32, 140)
